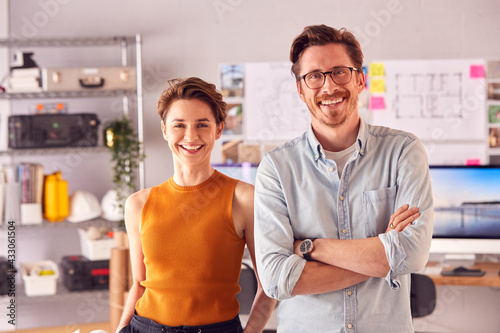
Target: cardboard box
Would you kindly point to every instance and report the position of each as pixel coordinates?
(249, 153)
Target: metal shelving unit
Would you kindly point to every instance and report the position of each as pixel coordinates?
(80, 306)
(87, 306)
(50, 151)
(68, 42)
(68, 94)
(98, 222)
(124, 42)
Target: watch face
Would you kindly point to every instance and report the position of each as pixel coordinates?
(305, 246)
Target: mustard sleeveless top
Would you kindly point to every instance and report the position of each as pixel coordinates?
(191, 252)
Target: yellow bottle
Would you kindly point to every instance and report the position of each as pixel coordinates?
(56, 200)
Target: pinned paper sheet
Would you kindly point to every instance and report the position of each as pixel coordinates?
(377, 69)
(473, 161)
(477, 72)
(377, 86)
(377, 103)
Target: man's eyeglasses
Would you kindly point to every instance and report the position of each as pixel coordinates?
(339, 75)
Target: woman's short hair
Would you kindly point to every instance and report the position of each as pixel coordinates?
(192, 88)
(321, 35)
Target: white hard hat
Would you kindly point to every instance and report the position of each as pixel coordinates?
(110, 206)
(83, 206)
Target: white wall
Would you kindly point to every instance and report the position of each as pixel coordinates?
(192, 37)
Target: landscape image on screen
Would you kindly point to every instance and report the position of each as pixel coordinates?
(466, 202)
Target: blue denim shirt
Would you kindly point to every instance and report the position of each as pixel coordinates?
(299, 195)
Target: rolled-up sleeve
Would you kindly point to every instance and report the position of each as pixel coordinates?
(408, 251)
(279, 269)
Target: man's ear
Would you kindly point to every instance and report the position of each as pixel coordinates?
(164, 130)
(299, 90)
(361, 81)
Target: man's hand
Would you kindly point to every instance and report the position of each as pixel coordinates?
(402, 218)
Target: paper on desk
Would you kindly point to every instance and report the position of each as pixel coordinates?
(432, 270)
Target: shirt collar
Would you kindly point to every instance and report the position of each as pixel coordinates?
(317, 149)
(362, 137)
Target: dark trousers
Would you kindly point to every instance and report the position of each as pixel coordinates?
(140, 324)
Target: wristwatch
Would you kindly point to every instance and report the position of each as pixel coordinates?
(306, 247)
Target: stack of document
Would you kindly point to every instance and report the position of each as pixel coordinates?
(31, 182)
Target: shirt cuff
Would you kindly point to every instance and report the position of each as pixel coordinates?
(290, 273)
(395, 254)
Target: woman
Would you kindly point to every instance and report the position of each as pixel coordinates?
(187, 235)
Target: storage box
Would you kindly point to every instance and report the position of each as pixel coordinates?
(79, 273)
(74, 273)
(5, 273)
(99, 249)
(38, 285)
(90, 78)
(53, 130)
(31, 213)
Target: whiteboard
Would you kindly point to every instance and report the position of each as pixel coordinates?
(273, 110)
(434, 99)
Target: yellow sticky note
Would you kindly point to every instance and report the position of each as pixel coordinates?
(377, 69)
(377, 85)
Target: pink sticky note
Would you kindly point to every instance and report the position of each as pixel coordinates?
(473, 161)
(477, 71)
(377, 103)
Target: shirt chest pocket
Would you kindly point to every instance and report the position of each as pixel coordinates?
(378, 207)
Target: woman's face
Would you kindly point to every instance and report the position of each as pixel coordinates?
(191, 130)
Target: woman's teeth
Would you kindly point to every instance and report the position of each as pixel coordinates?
(191, 148)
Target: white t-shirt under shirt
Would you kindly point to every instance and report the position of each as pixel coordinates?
(341, 157)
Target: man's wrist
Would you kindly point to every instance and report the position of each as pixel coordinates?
(306, 248)
(314, 250)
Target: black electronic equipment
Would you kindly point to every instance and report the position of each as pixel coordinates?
(6, 271)
(53, 130)
(80, 273)
(463, 271)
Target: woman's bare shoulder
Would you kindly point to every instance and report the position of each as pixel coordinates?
(244, 191)
(136, 200)
(243, 203)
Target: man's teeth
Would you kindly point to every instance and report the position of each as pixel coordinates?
(192, 147)
(331, 102)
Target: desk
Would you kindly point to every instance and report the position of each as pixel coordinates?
(490, 279)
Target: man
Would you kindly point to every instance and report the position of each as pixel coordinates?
(330, 195)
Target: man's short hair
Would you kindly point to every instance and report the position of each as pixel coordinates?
(315, 35)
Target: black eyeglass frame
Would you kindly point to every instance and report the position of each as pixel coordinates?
(303, 77)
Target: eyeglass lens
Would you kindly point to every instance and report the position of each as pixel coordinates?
(341, 75)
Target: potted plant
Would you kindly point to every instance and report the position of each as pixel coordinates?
(126, 153)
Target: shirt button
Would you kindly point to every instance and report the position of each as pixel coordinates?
(331, 169)
(361, 151)
(344, 231)
(349, 325)
(316, 156)
(341, 197)
(349, 293)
